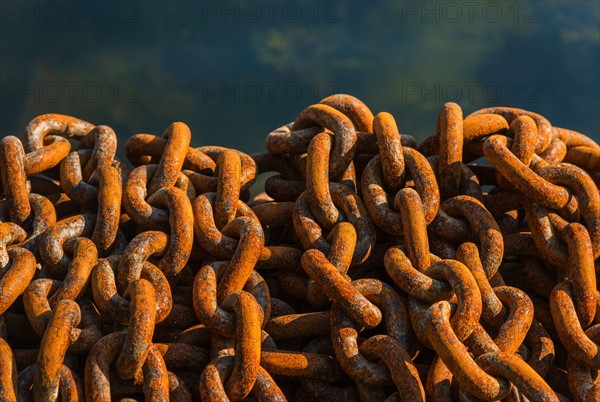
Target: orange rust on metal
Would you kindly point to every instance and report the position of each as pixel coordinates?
(370, 268)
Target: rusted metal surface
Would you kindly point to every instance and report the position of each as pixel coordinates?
(371, 267)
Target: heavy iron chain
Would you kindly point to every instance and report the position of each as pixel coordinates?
(371, 268)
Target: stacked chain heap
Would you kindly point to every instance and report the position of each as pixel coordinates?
(371, 268)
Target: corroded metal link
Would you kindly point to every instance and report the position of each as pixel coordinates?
(403, 371)
(359, 113)
(525, 137)
(469, 306)
(10, 234)
(339, 290)
(344, 332)
(482, 125)
(544, 235)
(344, 134)
(525, 133)
(141, 328)
(85, 256)
(14, 179)
(56, 125)
(511, 367)
(273, 213)
(174, 249)
(17, 277)
(211, 382)
(52, 241)
(587, 194)
(545, 129)
(8, 373)
(132, 260)
(43, 217)
(209, 183)
(301, 364)
(247, 344)
(582, 383)
(178, 138)
(181, 234)
(39, 312)
(111, 304)
(136, 202)
(70, 387)
(217, 243)
(181, 281)
(109, 207)
(455, 356)
(283, 140)
(142, 149)
(229, 168)
(582, 273)
(376, 198)
(97, 368)
(573, 138)
(450, 129)
(415, 231)
(517, 319)
(243, 261)
(317, 182)
(585, 157)
(390, 150)
(291, 326)
(411, 280)
(569, 328)
(55, 149)
(205, 302)
(310, 232)
(266, 389)
(343, 242)
(439, 379)
(523, 178)
(102, 140)
(54, 345)
(140, 249)
(71, 178)
(555, 153)
(485, 227)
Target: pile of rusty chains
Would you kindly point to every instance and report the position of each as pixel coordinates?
(370, 269)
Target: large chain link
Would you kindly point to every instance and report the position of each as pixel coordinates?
(371, 268)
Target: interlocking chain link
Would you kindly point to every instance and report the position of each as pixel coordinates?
(371, 268)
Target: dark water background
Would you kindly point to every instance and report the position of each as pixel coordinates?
(235, 70)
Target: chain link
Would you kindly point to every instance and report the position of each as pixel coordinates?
(371, 268)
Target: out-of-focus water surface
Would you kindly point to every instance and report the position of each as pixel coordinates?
(235, 70)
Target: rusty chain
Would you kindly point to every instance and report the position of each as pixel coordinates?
(371, 268)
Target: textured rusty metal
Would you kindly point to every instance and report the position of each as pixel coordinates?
(17, 277)
(450, 129)
(371, 267)
(8, 373)
(141, 328)
(54, 345)
(14, 179)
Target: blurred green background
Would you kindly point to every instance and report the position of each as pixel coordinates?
(233, 71)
